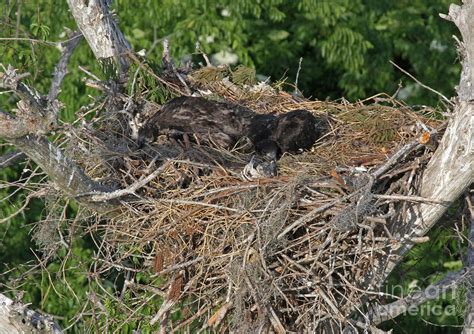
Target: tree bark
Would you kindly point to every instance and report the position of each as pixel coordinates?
(101, 31)
(451, 169)
(469, 317)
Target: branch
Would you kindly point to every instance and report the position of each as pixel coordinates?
(9, 159)
(16, 318)
(10, 79)
(33, 114)
(101, 197)
(65, 174)
(423, 85)
(381, 313)
(101, 31)
(61, 68)
(469, 317)
(451, 169)
(461, 16)
(26, 131)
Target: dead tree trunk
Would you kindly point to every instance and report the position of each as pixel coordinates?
(447, 176)
(451, 169)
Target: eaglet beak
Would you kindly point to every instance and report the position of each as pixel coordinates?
(259, 167)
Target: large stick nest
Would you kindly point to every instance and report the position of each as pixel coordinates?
(295, 252)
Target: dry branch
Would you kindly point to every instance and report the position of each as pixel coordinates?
(61, 68)
(101, 31)
(16, 318)
(26, 130)
(11, 158)
(452, 281)
(469, 317)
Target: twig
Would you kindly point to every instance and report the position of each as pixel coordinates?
(179, 266)
(423, 85)
(61, 68)
(412, 199)
(215, 206)
(311, 215)
(31, 40)
(381, 313)
(18, 19)
(169, 64)
(405, 150)
(92, 75)
(206, 59)
(174, 291)
(297, 92)
(10, 79)
(469, 316)
(11, 158)
(100, 197)
(150, 71)
(205, 308)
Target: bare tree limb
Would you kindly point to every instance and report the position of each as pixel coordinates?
(16, 318)
(423, 85)
(461, 17)
(381, 313)
(9, 159)
(61, 68)
(11, 127)
(64, 173)
(469, 317)
(10, 79)
(26, 131)
(101, 197)
(33, 114)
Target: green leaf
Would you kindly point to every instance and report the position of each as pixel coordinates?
(278, 35)
(138, 33)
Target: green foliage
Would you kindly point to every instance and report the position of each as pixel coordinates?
(62, 287)
(346, 45)
(43, 21)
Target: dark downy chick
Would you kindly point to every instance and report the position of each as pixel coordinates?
(224, 124)
(210, 121)
(297, 130)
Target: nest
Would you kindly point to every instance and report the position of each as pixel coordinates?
(296, 252)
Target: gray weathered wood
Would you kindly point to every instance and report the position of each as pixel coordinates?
(16, 318)
(469, 317)
(101, 31)
(451, 169)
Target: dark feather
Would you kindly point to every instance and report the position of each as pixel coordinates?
(297, 130)
(225, 124)
(210, 121)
